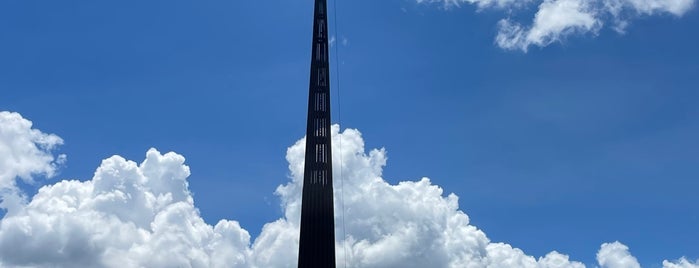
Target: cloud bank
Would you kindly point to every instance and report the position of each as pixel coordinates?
(143, 215)
(555, 20)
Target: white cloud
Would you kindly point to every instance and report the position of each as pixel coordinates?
(682, 263)
(616, 255)
(675, 7)
(554, 20)
(127, 215)
(24, 152)
(479, 3)
(143, 215)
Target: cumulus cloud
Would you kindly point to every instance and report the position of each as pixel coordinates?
(143, 215)
(555, 20)
(411, 224)
(616, 255)
(24, 152)
(127, 215)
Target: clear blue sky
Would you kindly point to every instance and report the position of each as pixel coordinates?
(585, 141)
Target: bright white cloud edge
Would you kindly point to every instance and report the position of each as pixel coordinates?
(143, 215)
(24, 152)
(555, 20)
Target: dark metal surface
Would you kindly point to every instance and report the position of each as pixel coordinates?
(317, 240)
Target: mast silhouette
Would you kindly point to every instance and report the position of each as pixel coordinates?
(317, 239)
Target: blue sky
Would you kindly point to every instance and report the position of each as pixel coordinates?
(587, 140)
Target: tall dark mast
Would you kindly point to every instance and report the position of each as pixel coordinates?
(317, 241)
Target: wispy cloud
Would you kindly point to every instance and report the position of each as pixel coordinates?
(554, 20)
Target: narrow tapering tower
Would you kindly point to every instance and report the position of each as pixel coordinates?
(317, 241)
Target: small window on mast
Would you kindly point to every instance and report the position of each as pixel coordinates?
(321, 28)
(319, 129)
(319, 53)
(320, 102)
(323, 128)
(322, 52)
(317, 102)
(321, 156)
(321, 77)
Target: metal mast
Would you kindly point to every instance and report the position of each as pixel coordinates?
(317, 240)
